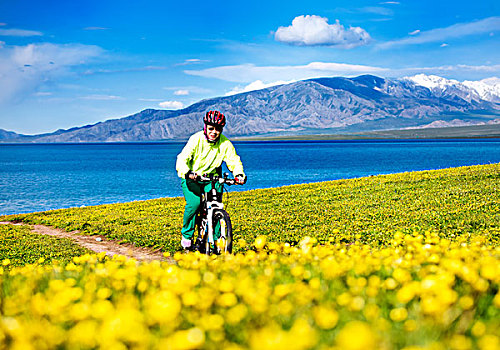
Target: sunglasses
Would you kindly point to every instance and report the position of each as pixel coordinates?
(212, 127)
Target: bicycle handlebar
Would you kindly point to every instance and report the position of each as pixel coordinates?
(217, 178)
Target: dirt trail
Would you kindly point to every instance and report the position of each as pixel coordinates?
(99, 244)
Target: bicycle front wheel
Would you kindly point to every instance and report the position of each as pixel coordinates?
(202, 240)
(224, 245)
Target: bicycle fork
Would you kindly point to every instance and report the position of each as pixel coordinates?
(211, 207)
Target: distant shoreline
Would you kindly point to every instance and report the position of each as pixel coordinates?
(458, 132)
(305, 138)
(491, 131)
(358, 138)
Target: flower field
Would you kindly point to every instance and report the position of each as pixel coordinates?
(19, 247)
(405, 261)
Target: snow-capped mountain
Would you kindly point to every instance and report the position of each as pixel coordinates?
(315, 106)
(486, 89)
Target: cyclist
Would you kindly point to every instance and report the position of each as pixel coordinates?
(203, 154)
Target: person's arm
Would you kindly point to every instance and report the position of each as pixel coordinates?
(185, 157)
(233, 162)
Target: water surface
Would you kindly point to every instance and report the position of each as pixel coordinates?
(37, 177)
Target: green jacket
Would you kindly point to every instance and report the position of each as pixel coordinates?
(203, 157)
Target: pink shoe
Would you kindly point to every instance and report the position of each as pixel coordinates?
(185, 243)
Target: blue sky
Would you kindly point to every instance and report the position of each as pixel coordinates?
(72, 63)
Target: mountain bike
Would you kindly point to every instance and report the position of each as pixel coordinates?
(211, 215)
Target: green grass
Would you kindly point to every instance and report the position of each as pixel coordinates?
(453, 202)
(20, 246)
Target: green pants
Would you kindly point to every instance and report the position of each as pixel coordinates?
(193, 191)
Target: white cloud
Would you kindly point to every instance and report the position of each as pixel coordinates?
(149, 99)
(43, 93)
(415, 32)
(171, 104)
(257, 77)
(19, 32)
(125, 70)
(378, 10)
(487, 25)
(24, 69)
(457, 71)
(444, 45)
(256, 85)
(181, 92)
(462, 68)
(191, 61)
(247, 73)
(192, 89)
(102, 97)
(95, 28)
(311, 30)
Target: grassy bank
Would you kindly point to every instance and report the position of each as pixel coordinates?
(455, 202)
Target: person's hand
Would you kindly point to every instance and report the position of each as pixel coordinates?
(240, 179)
(191, 175)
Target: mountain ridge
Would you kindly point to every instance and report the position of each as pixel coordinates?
(330, 104)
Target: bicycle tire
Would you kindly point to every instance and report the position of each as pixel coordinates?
(201, 241)
(224, 245)
(204, 245)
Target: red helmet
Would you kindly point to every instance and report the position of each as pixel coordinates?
(215, 118)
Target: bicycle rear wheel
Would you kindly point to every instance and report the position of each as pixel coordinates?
(224, 245)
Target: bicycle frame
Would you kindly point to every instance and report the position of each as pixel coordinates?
(210, 207)
(212, 201)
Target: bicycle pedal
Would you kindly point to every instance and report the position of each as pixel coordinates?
(198, 246)
(214, 249)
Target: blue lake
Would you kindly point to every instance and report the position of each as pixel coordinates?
(37, 177)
